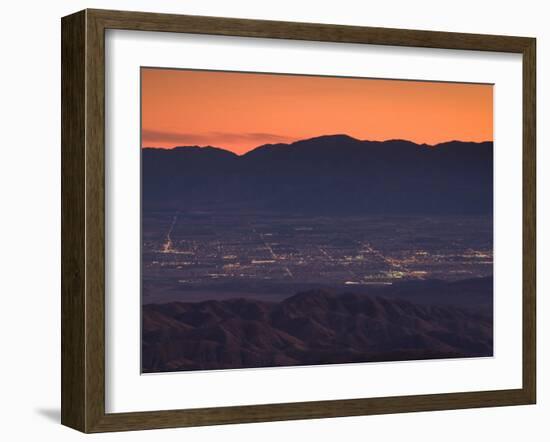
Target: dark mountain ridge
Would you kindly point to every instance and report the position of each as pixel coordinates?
(312, 327)
(326, 175)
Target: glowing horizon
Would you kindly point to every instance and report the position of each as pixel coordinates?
(241, 111)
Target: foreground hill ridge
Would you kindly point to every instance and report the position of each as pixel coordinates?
(309, 328)
(332, 137)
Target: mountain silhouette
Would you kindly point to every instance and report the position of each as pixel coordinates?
(326, 175)
(312, 327)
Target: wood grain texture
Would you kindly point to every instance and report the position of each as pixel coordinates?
(145, 21)
(529, 220)
(83, 220)
(95, 222)
(73, 103)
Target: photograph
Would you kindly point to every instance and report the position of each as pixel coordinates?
(242, 221)
(301, 220)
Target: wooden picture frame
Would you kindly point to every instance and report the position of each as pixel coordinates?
(83, 220)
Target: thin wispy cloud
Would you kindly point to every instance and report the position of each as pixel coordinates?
(233, 141)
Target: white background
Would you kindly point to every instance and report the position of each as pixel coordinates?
(30, 233)
(128, 391)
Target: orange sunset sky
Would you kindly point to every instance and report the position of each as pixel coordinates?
(240, 111)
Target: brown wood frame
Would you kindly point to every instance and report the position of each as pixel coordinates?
(83, 217)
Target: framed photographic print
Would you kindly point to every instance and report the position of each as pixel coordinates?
(270, 220)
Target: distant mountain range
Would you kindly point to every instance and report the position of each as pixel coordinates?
(326, 175)
(309, 328)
